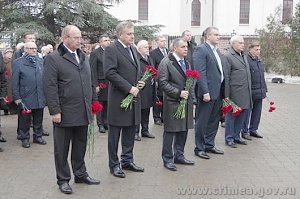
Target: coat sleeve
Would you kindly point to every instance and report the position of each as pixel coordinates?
(2, 77)
(227, 71)
(111, 71)
(93, 64)
(50, 82)
(16, 80)
(199, 60)
(164, 81)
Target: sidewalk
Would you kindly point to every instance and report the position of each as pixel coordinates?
(265, 168)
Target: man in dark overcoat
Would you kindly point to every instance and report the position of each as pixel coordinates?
(96, 61)
(69, 93)
(172, 80)
(209, 92)
(122, 69)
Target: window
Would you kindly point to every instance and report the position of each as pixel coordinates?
(287, 10)
(196, 13)
(244, 11)
(143, 9)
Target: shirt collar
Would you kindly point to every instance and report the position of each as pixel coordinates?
(212, 47)
(70, 49)
(123, 44)
(177, 57)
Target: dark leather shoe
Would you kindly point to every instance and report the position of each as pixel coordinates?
(19, 137)
(170, 166)
(102, 129)
(87, 180)
(202, 154)
(2, 139)
(158, 122)
(231, 144)
(65, 188)
(1, 150)
(117, 172)
(255, 134)
(137, 137)
(215, 151)
(25, 143)
(246, 136)
(45, 133)
(39, 140)
(184, 161)
(148, 135)
(132, 167)
(242, 142)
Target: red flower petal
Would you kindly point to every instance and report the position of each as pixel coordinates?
(96, 107)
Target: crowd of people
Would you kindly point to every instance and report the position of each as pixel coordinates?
(68, 81)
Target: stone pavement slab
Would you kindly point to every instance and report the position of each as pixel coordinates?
(265, 168)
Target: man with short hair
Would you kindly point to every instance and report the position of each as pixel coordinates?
(69, 93)
(27, 37)
(96, 62)
(237, 88)
(122, 69)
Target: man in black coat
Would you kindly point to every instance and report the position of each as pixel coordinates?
(69, 93)
(122, 69)
(157, 55)
(96, 61)
(147, 94)
(208, 61)
(3, 82)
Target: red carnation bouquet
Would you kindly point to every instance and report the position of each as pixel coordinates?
(24, 109)
(95, 108)
(102, 85)
(272, 107)
(150, 71)
(230, 106)
(191, 76)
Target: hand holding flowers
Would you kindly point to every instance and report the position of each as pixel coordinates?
(230, 106)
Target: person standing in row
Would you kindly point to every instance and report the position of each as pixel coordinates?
(147, 94)
(3, 93)
(69, 92)
(172, 80)
(96, 61)
(209, 92)
(122, 69)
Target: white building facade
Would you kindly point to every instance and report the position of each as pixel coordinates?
(230, 16)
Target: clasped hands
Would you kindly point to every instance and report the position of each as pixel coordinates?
(136, 89)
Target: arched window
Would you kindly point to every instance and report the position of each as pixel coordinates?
(196, 13)
(287, 10)
(244, 11)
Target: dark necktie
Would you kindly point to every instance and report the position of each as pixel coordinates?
(182, 65)
(130, 53)
(74, 56)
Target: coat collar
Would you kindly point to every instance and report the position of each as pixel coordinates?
(241, 57)
(176, 65)
(63, 51)
(126, 54)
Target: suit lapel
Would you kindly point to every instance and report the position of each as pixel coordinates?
(213, 55)
(176, 65)
(238, 57)
(125, 53)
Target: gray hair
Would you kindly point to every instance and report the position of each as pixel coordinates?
(158, 37)
(176, 42)
(122, 26)
(66, 30)
(235, 38)
(208, 31)
(142, 43)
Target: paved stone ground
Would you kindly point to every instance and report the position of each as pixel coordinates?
(265, 168)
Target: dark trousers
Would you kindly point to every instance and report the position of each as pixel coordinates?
(158, 110)
(206, 123)
(253, 117)
(234, 125)
(144, 121)
(102, 115)
(62, 137)
(127, 143)
(173, 146)
(24, 121)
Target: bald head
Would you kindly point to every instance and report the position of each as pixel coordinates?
(71, 36)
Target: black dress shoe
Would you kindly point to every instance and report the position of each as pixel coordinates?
(2, 139)
(202, 154)
(184, 161)
(231, 144)
(158, 122)
(137, 137)
(45, 133)
(102, 129)
(170, 166)
(215, 151)
(242, 142)
(246, 136)
(25, 143)
(148, 135)
(255, 134)
(87, 180)
(117, 172)
(132, 167)
(19, 137)
(65, 188)
(39, 140)
(1, 150)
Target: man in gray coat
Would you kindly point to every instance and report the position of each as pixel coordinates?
(122, 69)
(172, 80)
(69, 93)
(237, 88)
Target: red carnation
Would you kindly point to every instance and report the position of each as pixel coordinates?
(96, 107)
(151, 70)
(272, 103)
(7, 100)
(192, 73)
(26, 111)
(102, 85)
(159, 104)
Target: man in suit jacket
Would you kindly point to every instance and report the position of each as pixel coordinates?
(96, 61)
(69, 93)
(147, 94)
(122, 69)
(237, 88)
(208, 62)
(172, 80)
(157, 55)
